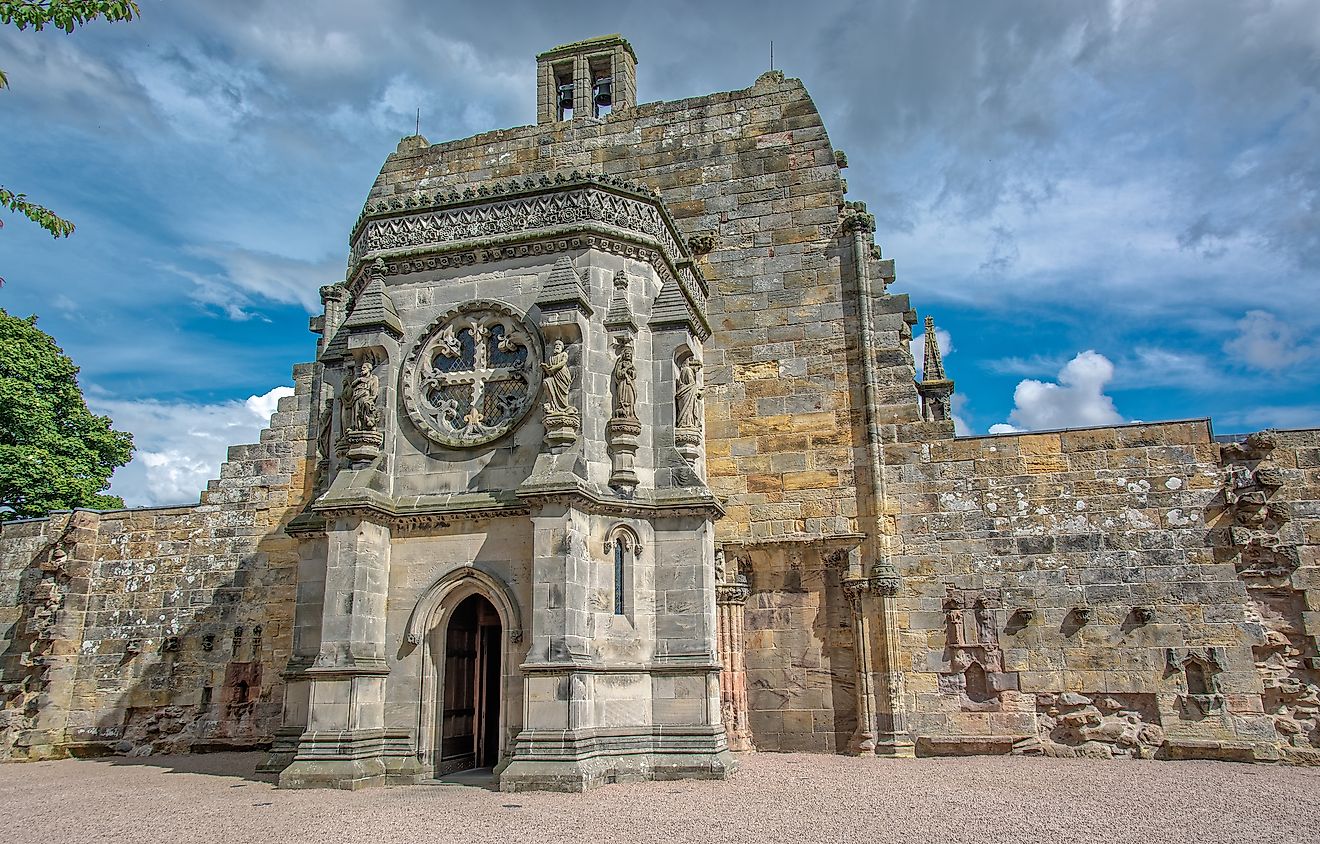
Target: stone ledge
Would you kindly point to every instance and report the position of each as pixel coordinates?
(1224, 751)
(1000, 745)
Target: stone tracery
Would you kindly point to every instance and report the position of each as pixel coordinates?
(473, 375)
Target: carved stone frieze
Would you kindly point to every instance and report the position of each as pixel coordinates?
(489, 215)
(472, 375)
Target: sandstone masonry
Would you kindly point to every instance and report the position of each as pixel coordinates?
(612, 459)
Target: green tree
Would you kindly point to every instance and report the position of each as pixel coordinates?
(64, 15)
(55, 454)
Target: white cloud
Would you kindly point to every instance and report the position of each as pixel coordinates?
(1076, 400)
(1263, 342)
(917, 346)
(958, 413)
(181, 445)
(247, 277)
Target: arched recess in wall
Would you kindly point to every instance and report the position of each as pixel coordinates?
(426, 626)
(623, 547)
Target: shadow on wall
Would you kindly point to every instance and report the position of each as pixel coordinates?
(799, 654)
(161, 630)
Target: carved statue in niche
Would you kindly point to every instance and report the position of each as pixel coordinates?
(558, 382)
(361, 400)
(625, 384)
(687, 395)
(323, 439)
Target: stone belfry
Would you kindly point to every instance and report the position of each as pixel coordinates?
(586, 79)
(511, 559)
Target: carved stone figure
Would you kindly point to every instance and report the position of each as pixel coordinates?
(361, 400)
(625, 384)
(558, 382)
(687, 395)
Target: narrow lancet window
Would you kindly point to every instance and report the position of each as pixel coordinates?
(618, 576)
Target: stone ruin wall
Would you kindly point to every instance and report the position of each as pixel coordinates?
(1112, 592)
(160, 629)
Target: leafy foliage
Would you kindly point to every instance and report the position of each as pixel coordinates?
(64, 15)
(42, 216)
(54, 453)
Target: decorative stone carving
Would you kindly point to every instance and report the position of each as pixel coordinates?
(473, 375)
(976, 663)
(731, 593)
(624, 428)
(584, 204)
(701, 244)
(562, 421)
(688, 393)
(361, 440)
(362, 400)
(625, 383)
(1200, 668)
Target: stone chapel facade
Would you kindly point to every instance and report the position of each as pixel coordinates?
(612, 461)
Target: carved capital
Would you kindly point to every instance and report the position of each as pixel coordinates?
(732, 593)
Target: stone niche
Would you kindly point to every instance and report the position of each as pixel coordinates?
(975, 676)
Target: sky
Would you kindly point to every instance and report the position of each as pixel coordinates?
(1111, 209)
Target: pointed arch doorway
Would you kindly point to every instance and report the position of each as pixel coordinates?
(469, 724)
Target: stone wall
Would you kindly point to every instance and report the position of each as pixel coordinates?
(801, 678)
(1081, 590)
(754, 170)
(160, 629)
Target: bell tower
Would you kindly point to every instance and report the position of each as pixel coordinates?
(586, 79)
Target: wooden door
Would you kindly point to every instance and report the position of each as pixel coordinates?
(469, 726)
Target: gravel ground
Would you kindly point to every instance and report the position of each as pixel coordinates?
(776, 797)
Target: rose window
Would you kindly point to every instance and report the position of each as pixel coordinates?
(473, 375)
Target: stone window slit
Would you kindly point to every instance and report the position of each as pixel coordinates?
(620, 552)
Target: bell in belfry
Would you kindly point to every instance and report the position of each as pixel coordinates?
(566, 97)
(604, 95)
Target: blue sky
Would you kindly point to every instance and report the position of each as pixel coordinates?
(1112, 209)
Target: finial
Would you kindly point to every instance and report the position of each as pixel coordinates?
(934, 366)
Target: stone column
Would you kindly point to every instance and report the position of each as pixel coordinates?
(730, 600)
(864, 738)
(894, 738)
